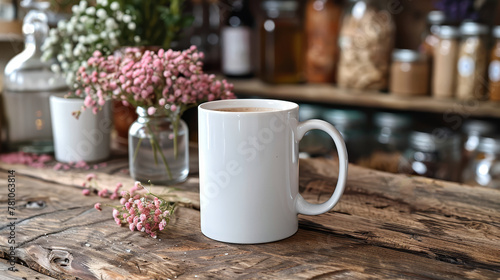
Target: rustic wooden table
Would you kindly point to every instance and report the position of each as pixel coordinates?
(385, 226)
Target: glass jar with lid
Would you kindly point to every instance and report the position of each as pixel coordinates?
(29, 82)
(494, 67)
(352, 125)
(390, 140)
(473, 130)
(391, 132)
(486, 163)
(281, 43)
(444, 71)
(434, 154)
(472, 64)
(366, 41)
(409, 73)
(430, 37)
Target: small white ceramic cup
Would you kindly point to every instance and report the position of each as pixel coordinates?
(86, 138)
(249, 170)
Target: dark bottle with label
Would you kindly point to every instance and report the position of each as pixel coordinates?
(236, 41)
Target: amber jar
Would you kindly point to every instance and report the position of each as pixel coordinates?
(322, 31)
(281, 43)
(494, 68)
(409, 73)
(444, 66)
(472, 61)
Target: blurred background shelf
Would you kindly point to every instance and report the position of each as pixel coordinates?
(331, 95)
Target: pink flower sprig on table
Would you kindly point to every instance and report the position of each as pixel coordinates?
(90, 186)
(170, 79)
(143, 212)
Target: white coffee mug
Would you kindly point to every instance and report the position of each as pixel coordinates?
(249, 169)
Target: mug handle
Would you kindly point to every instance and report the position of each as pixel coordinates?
(301, 205)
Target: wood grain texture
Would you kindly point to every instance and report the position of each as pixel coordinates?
(385, 226)
(329, 94)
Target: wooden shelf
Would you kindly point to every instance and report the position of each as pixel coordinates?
(331, 95)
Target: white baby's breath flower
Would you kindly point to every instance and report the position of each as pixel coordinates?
(82, 39)
(101, 13)
(110, 23)
(61, 25)
(74, 37)
(98, 46)
(119, 15)
(75, 9)
(127, 18)
(131, 26)
(115, 6)
(83, 49)
(90, 11)
(137, 39)
(83, 5)
(104, 35)
(65, 65)
(83, 18)
(92, 38)
(69, 78)
(55, 68)
(70, 28)
(67, 46)
(53, 33)
(112, 35)
(60, 57)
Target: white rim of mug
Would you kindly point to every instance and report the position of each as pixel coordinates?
(233, 103)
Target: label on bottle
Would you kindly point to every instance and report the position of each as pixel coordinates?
(236, 56)
(466, 66)
(494, 71)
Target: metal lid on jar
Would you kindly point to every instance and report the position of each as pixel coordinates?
(496, 32)
(402, 55)
(477, 127)
(286, 5)
(433, 141)
(345, 118)
(489, 144)
(436, 17)
(448, 32)
(473, 28)
(392, 120)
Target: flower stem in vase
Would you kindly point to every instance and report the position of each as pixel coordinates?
(176, 129)
(156, 149)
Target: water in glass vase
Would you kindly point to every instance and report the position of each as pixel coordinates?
(158, 149)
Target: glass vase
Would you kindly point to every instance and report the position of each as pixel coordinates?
(158, 148)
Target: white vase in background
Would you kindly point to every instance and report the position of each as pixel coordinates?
(86, 138)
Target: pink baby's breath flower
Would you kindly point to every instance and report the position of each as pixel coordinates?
(123, 201)
(115, 213)
(151, 111)
(98, 206)
(86, 192)
(118, 221)
(90, 177)
(131, 227)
